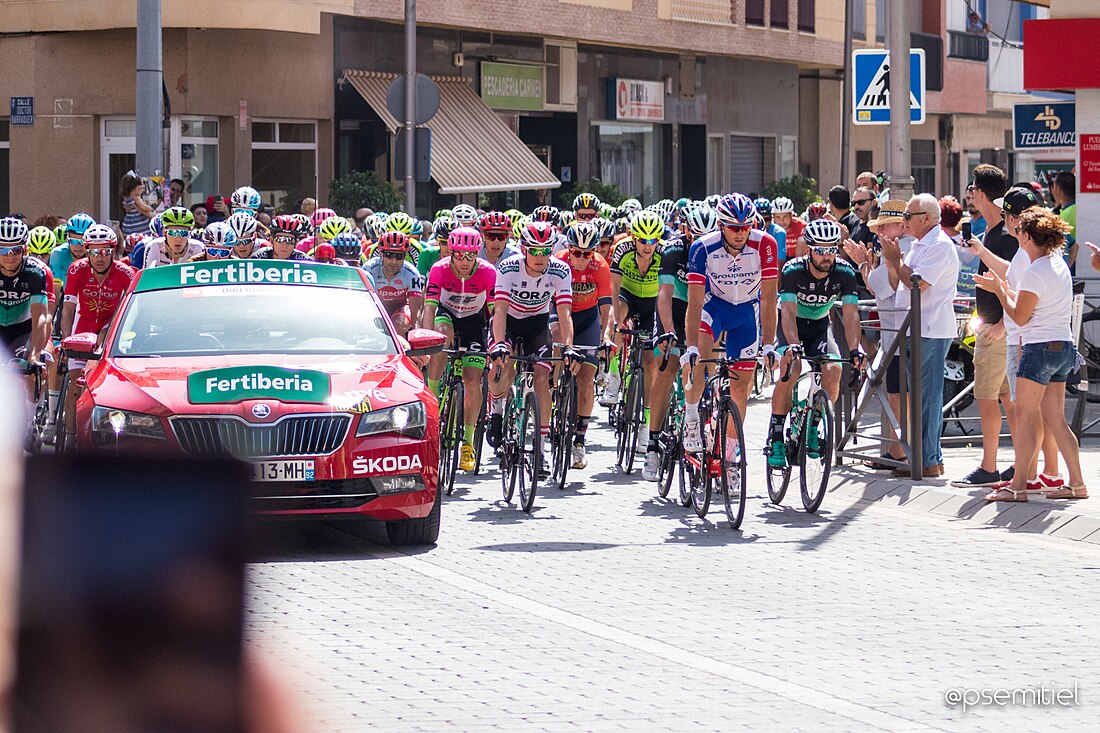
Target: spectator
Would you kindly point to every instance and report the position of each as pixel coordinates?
(951, 219)
(978, 224)
(135, 212)
(216, 208)
(862, 205)
(201, 218)
(361, 216)
(264, 218)
(840, 206)
(869, 180)
(1041, 307)
(309, 205)
(991, 336)
(1095, 255)
(1064, 192)
(175, 192)
(933, 258)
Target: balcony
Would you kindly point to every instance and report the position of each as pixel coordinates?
(968, 46)
(717, 12)
(1006, 68)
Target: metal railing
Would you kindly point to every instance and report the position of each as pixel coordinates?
(718, 12)
(967, 46)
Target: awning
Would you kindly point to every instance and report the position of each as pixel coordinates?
(472, 149)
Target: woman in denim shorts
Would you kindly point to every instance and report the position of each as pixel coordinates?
(1041, 307)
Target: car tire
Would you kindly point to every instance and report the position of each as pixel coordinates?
(417, 531)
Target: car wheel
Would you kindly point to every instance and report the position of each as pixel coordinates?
(417, 531)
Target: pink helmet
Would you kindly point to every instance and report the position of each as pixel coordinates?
(319, 217)
(464, 239)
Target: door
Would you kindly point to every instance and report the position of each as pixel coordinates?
(118, 154)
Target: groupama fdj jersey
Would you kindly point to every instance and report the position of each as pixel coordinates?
(242, 272)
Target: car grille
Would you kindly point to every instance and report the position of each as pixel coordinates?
(310, 495)
(299, 435)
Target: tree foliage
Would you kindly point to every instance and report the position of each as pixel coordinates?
(608, 193)
(363, 188)
(802, 190)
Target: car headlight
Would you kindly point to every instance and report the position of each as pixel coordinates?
(408, 419)
(112, 421)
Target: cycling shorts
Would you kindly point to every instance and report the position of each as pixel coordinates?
(679, 312)
(468, 332)
(740, 323)
(643, 310)
(529, 336)
(16, 335)
(586, 332)
(816, 337)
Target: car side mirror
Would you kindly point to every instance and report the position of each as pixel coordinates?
(82, 346)
(424, 342)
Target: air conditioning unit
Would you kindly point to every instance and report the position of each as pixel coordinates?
(561, 75)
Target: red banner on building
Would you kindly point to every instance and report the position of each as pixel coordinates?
(1089, 170)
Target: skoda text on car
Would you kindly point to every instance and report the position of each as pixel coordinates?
(292, 366)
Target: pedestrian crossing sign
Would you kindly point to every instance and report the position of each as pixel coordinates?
(871, 86)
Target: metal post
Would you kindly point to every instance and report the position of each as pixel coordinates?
(846, 95)
(410, 106)
(916, 432)
(150, 84)
(899, 163)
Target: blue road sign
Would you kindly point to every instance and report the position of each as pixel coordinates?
(22, 111)
(871, 86)
(1044, 126)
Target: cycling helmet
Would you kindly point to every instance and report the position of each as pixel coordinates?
(306, 222)
(442, 213)
(565, 218)
(40, 241)
(494, 221)
(682, 205)
(318, 217)
(244, 225)
(246, 198)
(464, 214)
(13, 232)
(464, 239)
(606, 227)
(666, 208)
(631, 205)
(701, 220)
(101, 235)
(295, 224)
(332, 226)
(822, 233)
(60, 234)
(178, 217)
(219, 234)
(783, 205)
(538, 234)
(443, 227)
(816, 210)
(78, 224)
(324, 252)
(583, 236)
(518, 227)
(399, 222)
(417, 229)
(712, 200)
(586, 201)
(763, 206)
(393, 242)
(606, 211)
(647, 225)
(735, 209)
(546, 214)
(156, 226)
(133, 240)
(347, 245)
(371, 228)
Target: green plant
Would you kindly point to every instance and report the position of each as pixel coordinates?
(800, 189)
(608, 193)
(363, 188)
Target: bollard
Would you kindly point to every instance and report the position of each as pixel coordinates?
(916, 430)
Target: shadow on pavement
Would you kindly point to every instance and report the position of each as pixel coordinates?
(501, 513)
(548, 547)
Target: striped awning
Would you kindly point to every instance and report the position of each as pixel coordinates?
(472, 149)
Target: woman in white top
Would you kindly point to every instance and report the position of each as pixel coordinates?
(1041, 308)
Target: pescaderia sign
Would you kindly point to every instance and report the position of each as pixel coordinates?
(241, 272)
(234, 384)
(512, 86)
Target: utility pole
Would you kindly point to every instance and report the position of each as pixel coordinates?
(899, 163)
(410, 106)
(150, 90)
(846, 95)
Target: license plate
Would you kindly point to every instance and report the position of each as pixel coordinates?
(282, 471)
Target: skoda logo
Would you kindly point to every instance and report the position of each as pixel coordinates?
(261, 411)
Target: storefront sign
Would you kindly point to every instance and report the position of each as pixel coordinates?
(641, 101)
(1043, 126)
(233, 384)
(1089, 170)
(248, 272)
(512, 86)
(22, 111)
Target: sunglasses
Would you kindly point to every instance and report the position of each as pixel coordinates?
(583, 254)
(823, 250)
(284, 240)
(16, 250)
(463, 256)
(738, 228)
(585, 215)
(910, 214)
(861, 202)
(540, 251)
(76, 240)
(393, 255)
(495, 236)
(177, 232)
(651, 242)
(100, 252)
(218, 251)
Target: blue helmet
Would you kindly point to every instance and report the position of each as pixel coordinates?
(735, 209)
(79, 223)
(156, 226)
(347, 246)
(246, 198)
(763, 206)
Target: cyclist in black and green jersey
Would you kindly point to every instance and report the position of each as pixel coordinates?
(810, 286)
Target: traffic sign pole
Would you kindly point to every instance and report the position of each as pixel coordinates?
(899, 163)
(410, 106)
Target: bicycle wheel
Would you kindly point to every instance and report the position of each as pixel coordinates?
(667, 447)
(529, 457)
(450, 436)
(633, 419)
(508, 447)
(482, 420)
(685, 470)
(61, 441)
(816, 461)
(779, 478)
(733, 474)
(562, 423)
(701, 487)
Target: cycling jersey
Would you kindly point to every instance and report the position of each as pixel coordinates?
(674, 268)
(816, 296)
(525, 295)
(794, 233)
(51, 288)
(396, 291)
(780, 240)
(156, 252)
(29, 286)
(591, 285)
(268, 253)
(734, 279)
(95, 301)
(624, 263)
(137, 256)
(61, 259)
(426, 261)
(306, 245)
(460, 297)
(510, 250)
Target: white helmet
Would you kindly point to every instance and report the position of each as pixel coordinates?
(822, 232)
(246, 198)
(219, 234)
(464, 214)
(782, 205)
(243, 224)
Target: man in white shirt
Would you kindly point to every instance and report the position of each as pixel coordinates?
(933, 258)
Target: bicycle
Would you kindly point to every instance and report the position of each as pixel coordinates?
(452, 393)
(626, 416)
(723, 434)
(36, 370)
(670, 440)
(812, 449)
(61, 415)
(519, 452)
(563, 419)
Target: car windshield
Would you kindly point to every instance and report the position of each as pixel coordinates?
(252, 319)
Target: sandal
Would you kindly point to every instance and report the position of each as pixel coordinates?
(1068, 492)
(1003, 493)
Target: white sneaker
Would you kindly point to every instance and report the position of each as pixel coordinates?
(693, 437)
(49, 433)
(643, 437)
(649, 471)
(610, 394)
(578, 456)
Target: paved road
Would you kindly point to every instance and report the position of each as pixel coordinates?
(609, 608)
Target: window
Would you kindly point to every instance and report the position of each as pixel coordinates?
(859, 19)
(924, 166)
(780, 14)
(630, 157)
(880, 20)
(754, 12)
(5, 169)
(788, 156)
(716, 164)
(284, 161)
(865, 161)
(198, 159)
(807, 16)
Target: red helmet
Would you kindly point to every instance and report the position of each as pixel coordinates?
(132, 240)
(290, 224)
(393, 242)
(324, 252)
(816, 210)
(538, 234)
(494, 221)
(465, 239)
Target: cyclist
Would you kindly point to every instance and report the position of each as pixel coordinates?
(764, 210)
(494, 228)
(287, 231)
(346, 249)
(63, 257)
(245, 200)
(607, 234)
(25, 287)
(433, 253)
(465, 215)
(245, 227)
(397, 282)
(809, 288)
(456, 304)
(792, 226)
(40, 243)
(527, 285)
(218, 241)
(137, 254)
(732, 279)
(177, 245)
(586, 207)
(591, 313)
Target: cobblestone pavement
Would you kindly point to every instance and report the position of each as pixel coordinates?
(609, 608)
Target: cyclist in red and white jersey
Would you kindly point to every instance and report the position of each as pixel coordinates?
(784, 217)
